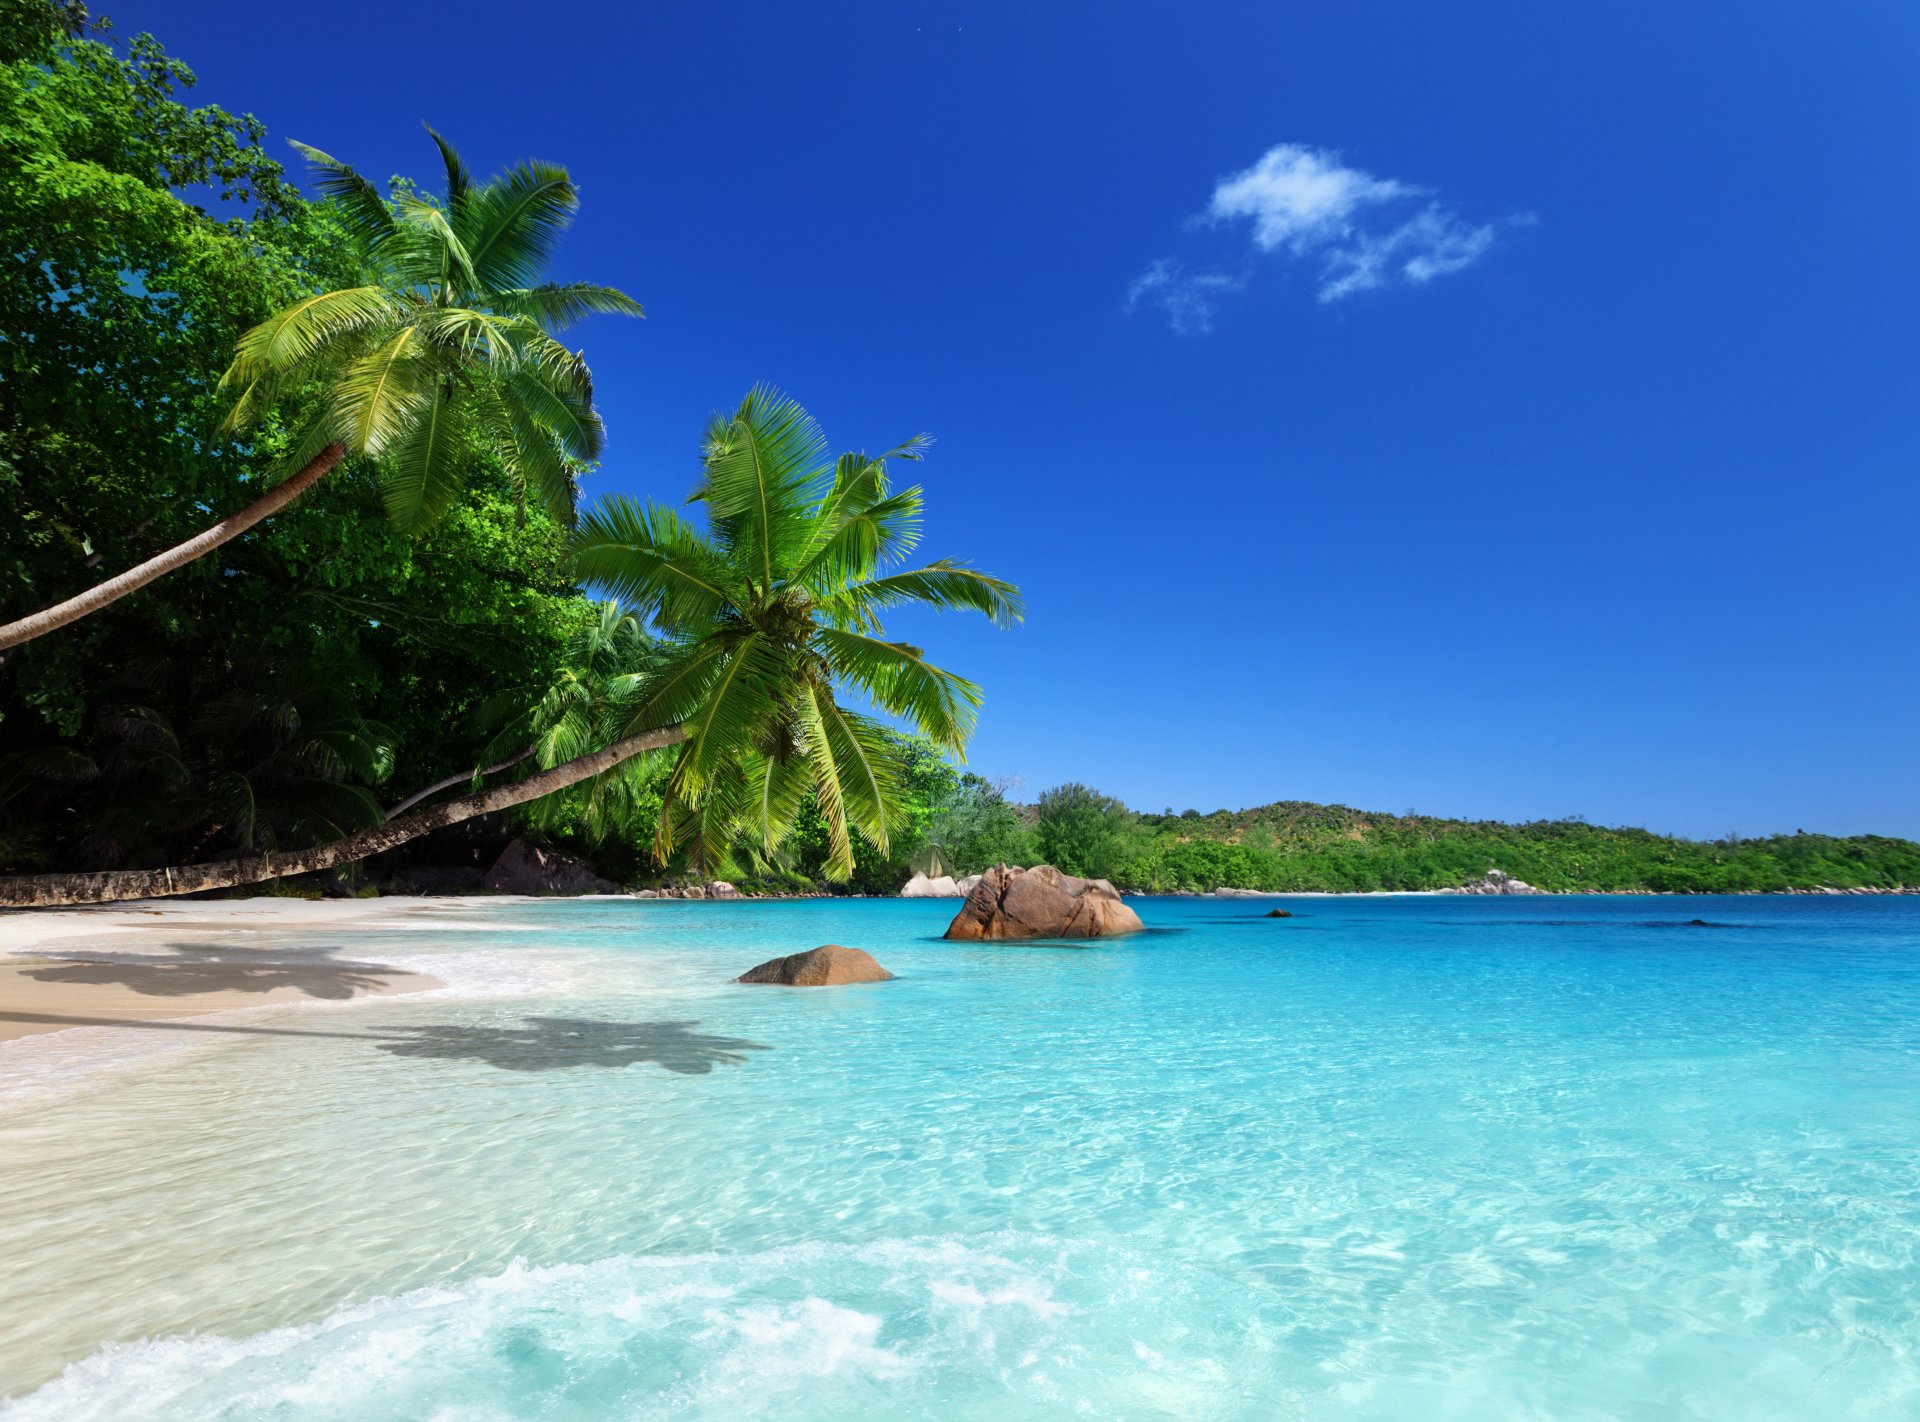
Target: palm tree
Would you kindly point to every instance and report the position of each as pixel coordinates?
(773, 611)
(450, 350)
(769, 614)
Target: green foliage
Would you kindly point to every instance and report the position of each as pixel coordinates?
(1301, 847)
(977, 828)
(1080, 831)
(772, 616)
(447, 349)
(122, 296)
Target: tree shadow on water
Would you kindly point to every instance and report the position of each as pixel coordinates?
(555, 1043)
(188, 971)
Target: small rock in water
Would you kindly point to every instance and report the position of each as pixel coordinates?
(819, 967)
(1279, 913)
(1698, 923)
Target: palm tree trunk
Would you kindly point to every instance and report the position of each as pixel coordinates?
(417, 796)
(49, 890)
(178, 556)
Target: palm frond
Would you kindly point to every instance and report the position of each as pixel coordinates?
(555, 388)
(759, 477)
(828, 794)
(459, 180)
(880, 532)
(869, 770)
(655, 561)
(363, 209)
(381, 396)
(438, 256)
(309, 330)
(426, 467)
(675, 690)
(902, 681)
(744, 698)
(558, 306)
(513, 222)
(944, 583)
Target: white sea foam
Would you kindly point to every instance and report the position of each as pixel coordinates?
(1007, 1325)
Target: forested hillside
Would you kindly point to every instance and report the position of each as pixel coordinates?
(1300, 846)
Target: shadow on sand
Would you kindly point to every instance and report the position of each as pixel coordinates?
(191, 971)
(537, 1044)
(556, 1043)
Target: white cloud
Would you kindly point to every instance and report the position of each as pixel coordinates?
(1186, 298)
(1360, 232)
(1301, 198)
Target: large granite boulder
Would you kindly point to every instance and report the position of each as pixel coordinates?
(525, 869)
(819, 967)
(1041, 903)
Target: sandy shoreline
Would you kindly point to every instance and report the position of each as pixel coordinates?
(160, 961)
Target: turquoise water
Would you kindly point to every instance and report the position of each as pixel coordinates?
(1410, 1158)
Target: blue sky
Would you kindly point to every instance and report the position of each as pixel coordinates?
(1503, 410)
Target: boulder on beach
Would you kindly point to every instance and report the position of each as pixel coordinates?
(1495, 881)
(1041, 903)
(941, 886)
(824, 966)
(524, 869)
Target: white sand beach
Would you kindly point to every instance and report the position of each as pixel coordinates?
(160, 960)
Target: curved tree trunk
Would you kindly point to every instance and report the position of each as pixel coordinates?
(50, 890)
(178, 556)
(417, 796)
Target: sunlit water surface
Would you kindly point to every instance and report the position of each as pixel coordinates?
(1390, 1159)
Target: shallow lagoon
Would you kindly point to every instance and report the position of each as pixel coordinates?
(1406, 1158)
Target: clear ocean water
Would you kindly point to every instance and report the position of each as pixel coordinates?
(1392, 1159)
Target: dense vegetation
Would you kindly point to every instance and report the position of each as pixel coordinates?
(416, 621)
(1298, 846)
(273, 694)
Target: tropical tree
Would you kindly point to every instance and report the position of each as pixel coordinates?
(770, 615)
(773, 611)
(451, 349)
(583, 705)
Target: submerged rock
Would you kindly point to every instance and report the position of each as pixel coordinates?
(524, 869)
(1041, 903)
(819, 967)
(1279, 913)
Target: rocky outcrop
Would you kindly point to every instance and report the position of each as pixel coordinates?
(712, 889)
(1495, 881)
(1041, 903)
(943, 886)
(1225, 893)
(819, 967)
(525, 869)
(1279, 913)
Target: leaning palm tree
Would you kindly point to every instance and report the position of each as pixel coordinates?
(771, 615)
(451, 350)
